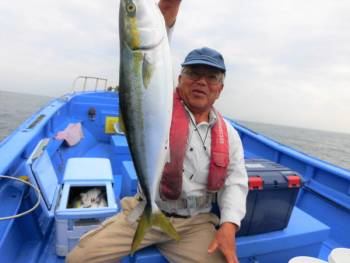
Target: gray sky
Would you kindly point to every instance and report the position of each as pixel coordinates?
(288, 61)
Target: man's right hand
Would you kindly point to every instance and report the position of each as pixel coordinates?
(225, 241)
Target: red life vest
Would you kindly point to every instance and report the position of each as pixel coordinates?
(171, 181)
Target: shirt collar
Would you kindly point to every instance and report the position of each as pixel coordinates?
(212, 115)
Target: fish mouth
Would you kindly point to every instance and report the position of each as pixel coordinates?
(146, 47)
(149, 39)
(141, 48)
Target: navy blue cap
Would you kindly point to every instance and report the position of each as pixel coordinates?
(205, 56)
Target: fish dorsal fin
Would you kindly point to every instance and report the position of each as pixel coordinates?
(147, 70)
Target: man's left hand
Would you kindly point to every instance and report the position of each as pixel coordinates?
(225, 241)
(169, 9)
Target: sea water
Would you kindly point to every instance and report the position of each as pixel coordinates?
(15, 108)
(328, 146)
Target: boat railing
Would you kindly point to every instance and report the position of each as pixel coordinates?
(85, 81)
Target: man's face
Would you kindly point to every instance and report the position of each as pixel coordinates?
(200, 86)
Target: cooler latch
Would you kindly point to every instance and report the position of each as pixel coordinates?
(255, 183)
(293, 181)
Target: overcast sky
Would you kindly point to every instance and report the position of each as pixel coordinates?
(288, 61)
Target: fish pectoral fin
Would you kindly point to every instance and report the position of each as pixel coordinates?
(147, 220)
(147, 70)
(163, 222)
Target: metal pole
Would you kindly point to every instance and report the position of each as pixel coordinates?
(85, 79)
(96, 83)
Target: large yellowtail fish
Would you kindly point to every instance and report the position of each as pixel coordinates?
(146, 98)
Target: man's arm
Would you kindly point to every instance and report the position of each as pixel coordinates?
(169, 9)
(231, 200)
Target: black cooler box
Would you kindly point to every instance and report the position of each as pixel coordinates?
(273, 189)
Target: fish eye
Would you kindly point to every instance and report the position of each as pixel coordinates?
(131, 8)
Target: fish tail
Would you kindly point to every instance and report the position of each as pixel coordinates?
(160, 220)
(147, 220)
(144, 224)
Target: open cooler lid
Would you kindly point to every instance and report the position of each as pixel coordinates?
(42, 173)
(46, 178)
(88, 169)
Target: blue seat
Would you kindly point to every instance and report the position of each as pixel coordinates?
(148, 254)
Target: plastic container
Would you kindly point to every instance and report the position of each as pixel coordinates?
(272, 193)
(81, 174)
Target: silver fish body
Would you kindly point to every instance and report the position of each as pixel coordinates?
(146, 93)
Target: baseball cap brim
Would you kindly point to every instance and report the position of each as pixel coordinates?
(203, 62)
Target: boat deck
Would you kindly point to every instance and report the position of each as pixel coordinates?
(304, 235)
(318, 224)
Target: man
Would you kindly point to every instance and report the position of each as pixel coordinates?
(200, 84)
(212, 162)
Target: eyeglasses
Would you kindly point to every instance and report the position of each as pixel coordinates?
(211, 76)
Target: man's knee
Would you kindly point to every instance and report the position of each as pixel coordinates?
(75, 256)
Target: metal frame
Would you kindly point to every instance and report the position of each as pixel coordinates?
(86, 78)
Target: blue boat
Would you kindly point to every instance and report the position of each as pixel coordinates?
(48, 227)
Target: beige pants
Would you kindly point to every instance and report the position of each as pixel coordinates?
(112, 240)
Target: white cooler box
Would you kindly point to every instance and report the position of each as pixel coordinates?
(81, 175)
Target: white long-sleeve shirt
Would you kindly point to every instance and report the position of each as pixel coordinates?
(232, 197)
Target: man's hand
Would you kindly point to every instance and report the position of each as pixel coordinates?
(169, 9)
(225, 241)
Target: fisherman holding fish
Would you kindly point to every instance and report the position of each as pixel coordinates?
(186, 156)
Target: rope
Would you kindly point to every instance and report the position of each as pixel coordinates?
(29, 210)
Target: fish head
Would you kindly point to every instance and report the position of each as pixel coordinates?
(141, 24)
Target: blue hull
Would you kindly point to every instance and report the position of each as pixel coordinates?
(319, 221)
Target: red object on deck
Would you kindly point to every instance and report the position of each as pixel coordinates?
(294, 181)
(256, 182)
